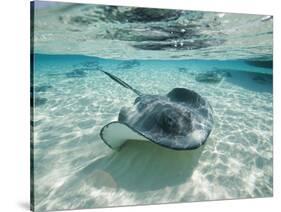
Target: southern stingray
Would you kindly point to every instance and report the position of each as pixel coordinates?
(180, 120)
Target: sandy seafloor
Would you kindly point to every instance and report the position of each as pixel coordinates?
(73, 168)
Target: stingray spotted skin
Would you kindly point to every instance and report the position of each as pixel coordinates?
(180, 120)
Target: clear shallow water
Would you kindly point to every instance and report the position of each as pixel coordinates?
(226, 58)
(75, 169)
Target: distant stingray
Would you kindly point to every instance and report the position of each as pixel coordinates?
(209, 77)
(180, 120)
(76, 73)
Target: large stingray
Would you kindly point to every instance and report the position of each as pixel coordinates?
(180, 120)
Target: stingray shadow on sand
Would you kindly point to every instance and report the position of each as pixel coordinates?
(137, 167)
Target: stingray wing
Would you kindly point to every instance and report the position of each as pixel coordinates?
(115, 134)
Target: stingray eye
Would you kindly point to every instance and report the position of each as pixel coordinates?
(140, 103)
(137, 100)
(141, 106)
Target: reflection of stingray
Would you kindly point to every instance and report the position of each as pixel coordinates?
(137, 167)
(180, 120)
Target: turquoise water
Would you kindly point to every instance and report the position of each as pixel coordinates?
(75, 169)
(73, 100)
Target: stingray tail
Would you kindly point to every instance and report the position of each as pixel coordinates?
(121, 82)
